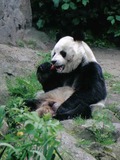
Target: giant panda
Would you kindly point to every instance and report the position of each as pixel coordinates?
(73, 64)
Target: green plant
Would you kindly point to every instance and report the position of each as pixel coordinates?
(114, 107)
(46, 57)
(20, 43)
(79, 120)
(114, 20)
(102, 127)
(116, 87)
(31, 44)
(108, 76)
(68, 16)
(28, 137)
(34, 137)
(24, 87)
(2, 115)
(84, 142)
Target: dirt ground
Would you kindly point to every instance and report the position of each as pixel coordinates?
(109, 59)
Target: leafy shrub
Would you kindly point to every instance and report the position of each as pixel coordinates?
(100, 19)
(34, 137)
(24, 87)
(29, 136)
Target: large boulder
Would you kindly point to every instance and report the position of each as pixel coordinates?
(14, 62)
(15, 16)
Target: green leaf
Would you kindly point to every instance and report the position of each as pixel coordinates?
(110, 18)
(2, 114)
(8, 145)
(29, 127)
(40, 23)
(113, 21)
(56, 2)
(75, 21)
(117, 17)
(38, 153)
(65, 6)
(73, 5)
(84, 2)
(117, 33)
(66, 1)
(50, 153)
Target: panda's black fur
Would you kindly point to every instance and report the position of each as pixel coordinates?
(86, 79)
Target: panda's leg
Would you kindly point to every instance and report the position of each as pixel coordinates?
(82, 109)
(45, 108)
(32, 104)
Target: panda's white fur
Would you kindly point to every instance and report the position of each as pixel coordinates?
(76, 51)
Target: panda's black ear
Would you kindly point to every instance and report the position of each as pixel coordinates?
(78, 36)
(59, 35)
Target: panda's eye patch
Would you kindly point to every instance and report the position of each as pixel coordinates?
(63, 54)
(53, 54)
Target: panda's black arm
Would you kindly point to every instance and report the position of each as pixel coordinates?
(79, 104)
(47, 77)
(92, 90)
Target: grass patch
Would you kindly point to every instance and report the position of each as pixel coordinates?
(115, 109)
(108, 76)
(31, 44)
(83, 143)
(46, 57)
(20, 43)
(24, 43)
(24, 87)
(116, 87)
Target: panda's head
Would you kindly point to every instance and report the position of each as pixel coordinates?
(68, 54)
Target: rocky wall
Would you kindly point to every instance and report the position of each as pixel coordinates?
(15, 17)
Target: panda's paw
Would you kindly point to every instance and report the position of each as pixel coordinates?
(32, 104)
(43, 68)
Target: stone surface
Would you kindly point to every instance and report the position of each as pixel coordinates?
(4, 128)
(14, 62)
(38, 39)
(68, 147)
(15, 16)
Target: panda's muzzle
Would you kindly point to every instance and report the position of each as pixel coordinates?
(59, 68)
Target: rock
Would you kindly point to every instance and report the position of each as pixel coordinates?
(14, 62)
(38, 40)
(102, 152)
(68, 124)
(15, 16)
(116, 150)
(117, 130)
(70, 151)
(4, 128)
